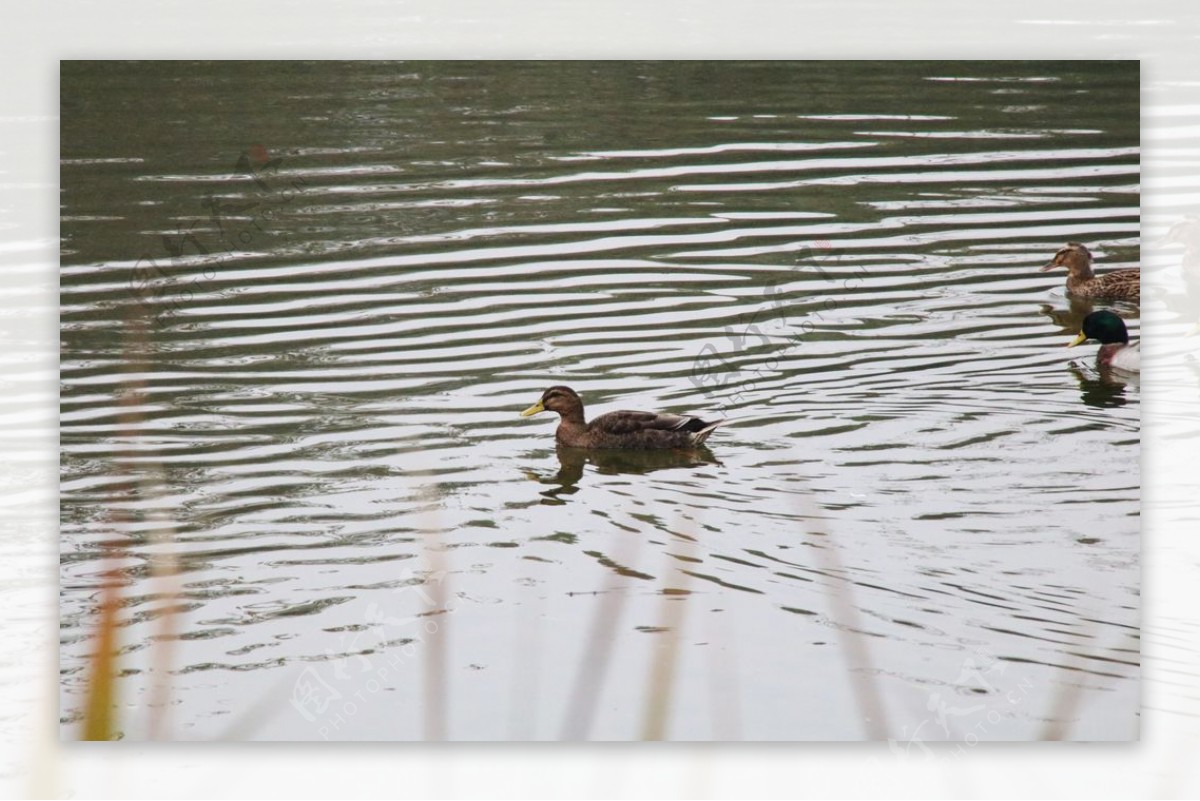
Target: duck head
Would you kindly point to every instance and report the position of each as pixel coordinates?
(559, 399)
(1074, 256)
(1103, 326)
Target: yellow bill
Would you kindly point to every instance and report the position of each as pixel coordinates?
(534, 409)
(1079, 339)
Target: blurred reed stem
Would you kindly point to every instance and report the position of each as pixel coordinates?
(435, 644)
(845, 613)
(593, 667)
(661, 685)
(99, 713)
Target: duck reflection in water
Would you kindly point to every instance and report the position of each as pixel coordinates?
(1070, 318)
(572, 461)
(1103, 388)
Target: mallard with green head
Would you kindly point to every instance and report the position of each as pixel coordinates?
(628, 430)
(1082, 282)
(1115, 351)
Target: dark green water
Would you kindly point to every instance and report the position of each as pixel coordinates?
(302, 305)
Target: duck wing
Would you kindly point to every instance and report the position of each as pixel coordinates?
(628, 422)
(1120, 284)
(648, 430)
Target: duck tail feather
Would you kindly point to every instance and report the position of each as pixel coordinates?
(699, 436)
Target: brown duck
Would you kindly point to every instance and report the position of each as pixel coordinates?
(628, 430)
(1082, 282)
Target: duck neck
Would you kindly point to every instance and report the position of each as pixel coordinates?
(572, 417)
(1079, 272)
(571, 424)
(1108, 352)
(570, 428)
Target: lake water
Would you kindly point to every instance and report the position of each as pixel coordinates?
(302, 305)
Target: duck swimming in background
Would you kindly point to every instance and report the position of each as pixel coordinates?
(1115, 351)
(1082, 282)
(628, 430)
